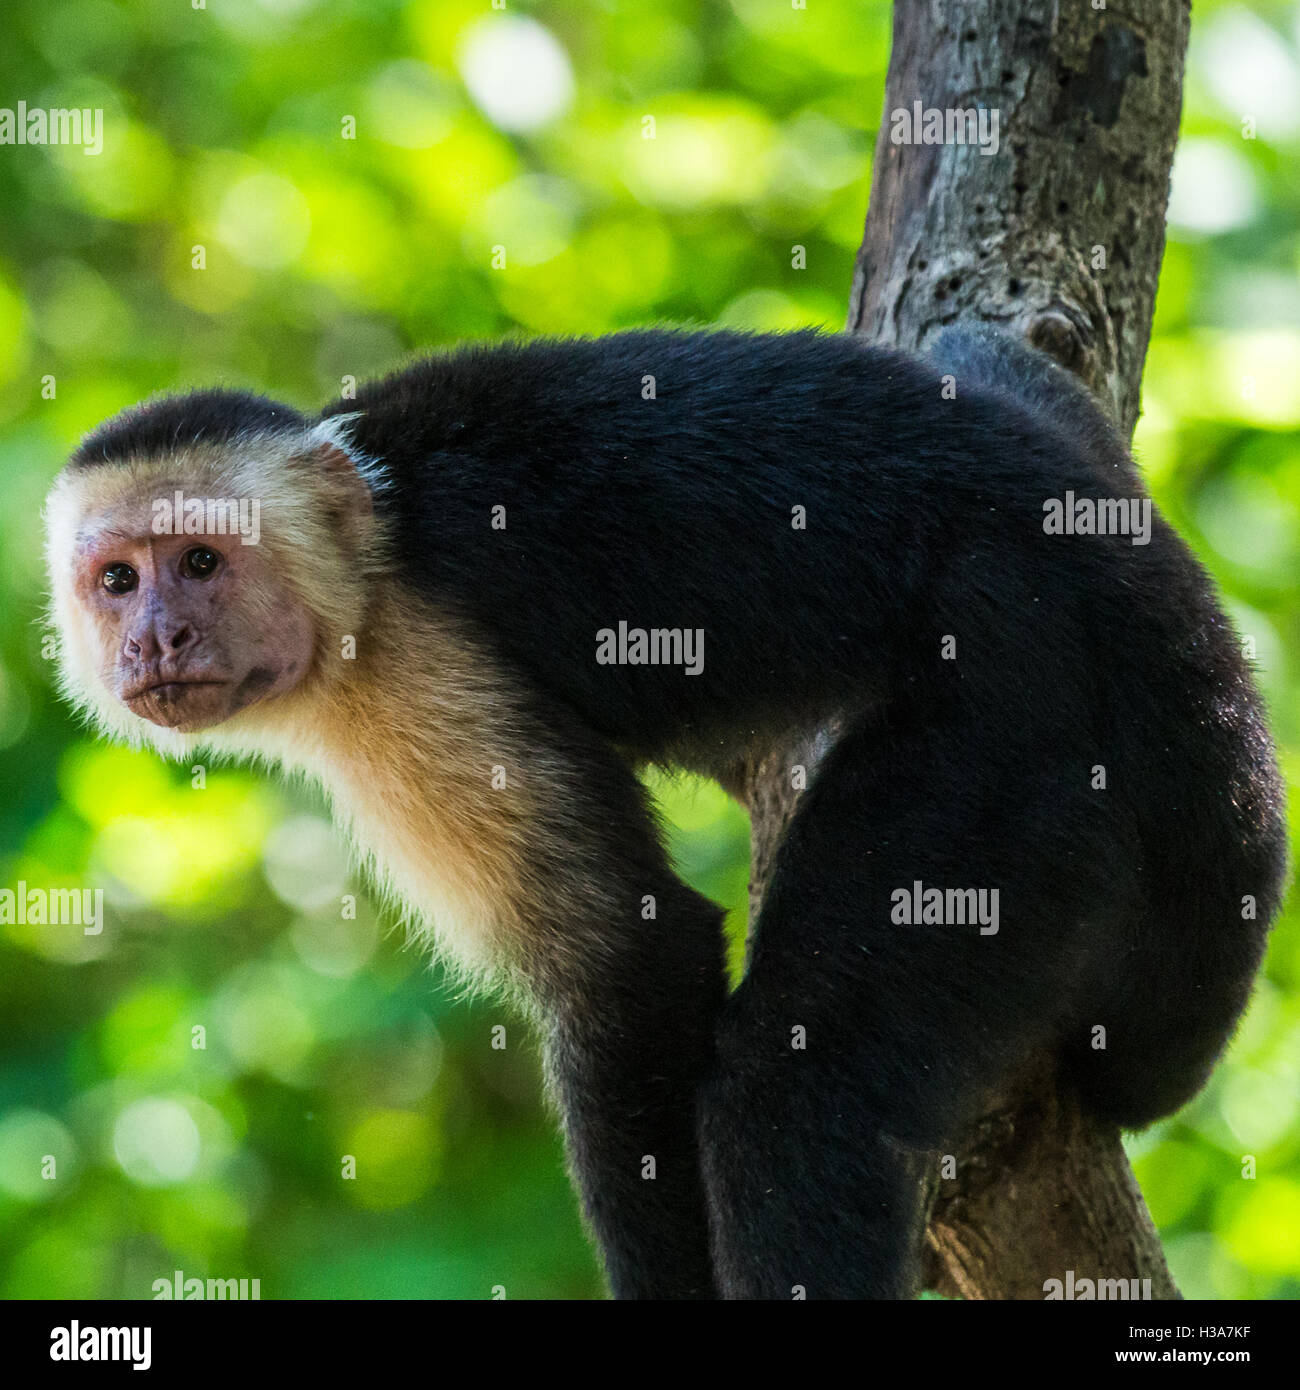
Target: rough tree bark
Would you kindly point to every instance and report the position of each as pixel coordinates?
(1059, 236)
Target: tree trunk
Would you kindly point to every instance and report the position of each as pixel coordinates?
(1059, 236)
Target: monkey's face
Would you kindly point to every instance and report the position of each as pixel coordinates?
(193, 583)
(169, 610)
(187, 630)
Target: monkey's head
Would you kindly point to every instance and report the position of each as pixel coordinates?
(207, 554)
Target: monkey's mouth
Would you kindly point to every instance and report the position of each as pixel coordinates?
(170, 689)
(176, 703)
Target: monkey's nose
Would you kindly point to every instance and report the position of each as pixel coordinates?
(152, 642)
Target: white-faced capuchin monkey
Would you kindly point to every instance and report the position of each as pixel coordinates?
(495, 584)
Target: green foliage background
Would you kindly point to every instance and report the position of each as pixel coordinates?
(328, 257)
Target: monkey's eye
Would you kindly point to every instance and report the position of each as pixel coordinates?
(200, 563)
(120, 579)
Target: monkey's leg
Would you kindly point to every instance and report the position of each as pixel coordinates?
(629, 980)
(858, 1042)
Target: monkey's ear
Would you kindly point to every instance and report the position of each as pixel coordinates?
(342, 484)
(337, 466)
(343, 476)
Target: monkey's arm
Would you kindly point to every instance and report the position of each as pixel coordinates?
(626, 966)
(529, 847)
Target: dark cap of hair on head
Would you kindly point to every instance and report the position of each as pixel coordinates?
(213, 416)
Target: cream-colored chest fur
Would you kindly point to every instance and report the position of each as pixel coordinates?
(421, 754)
